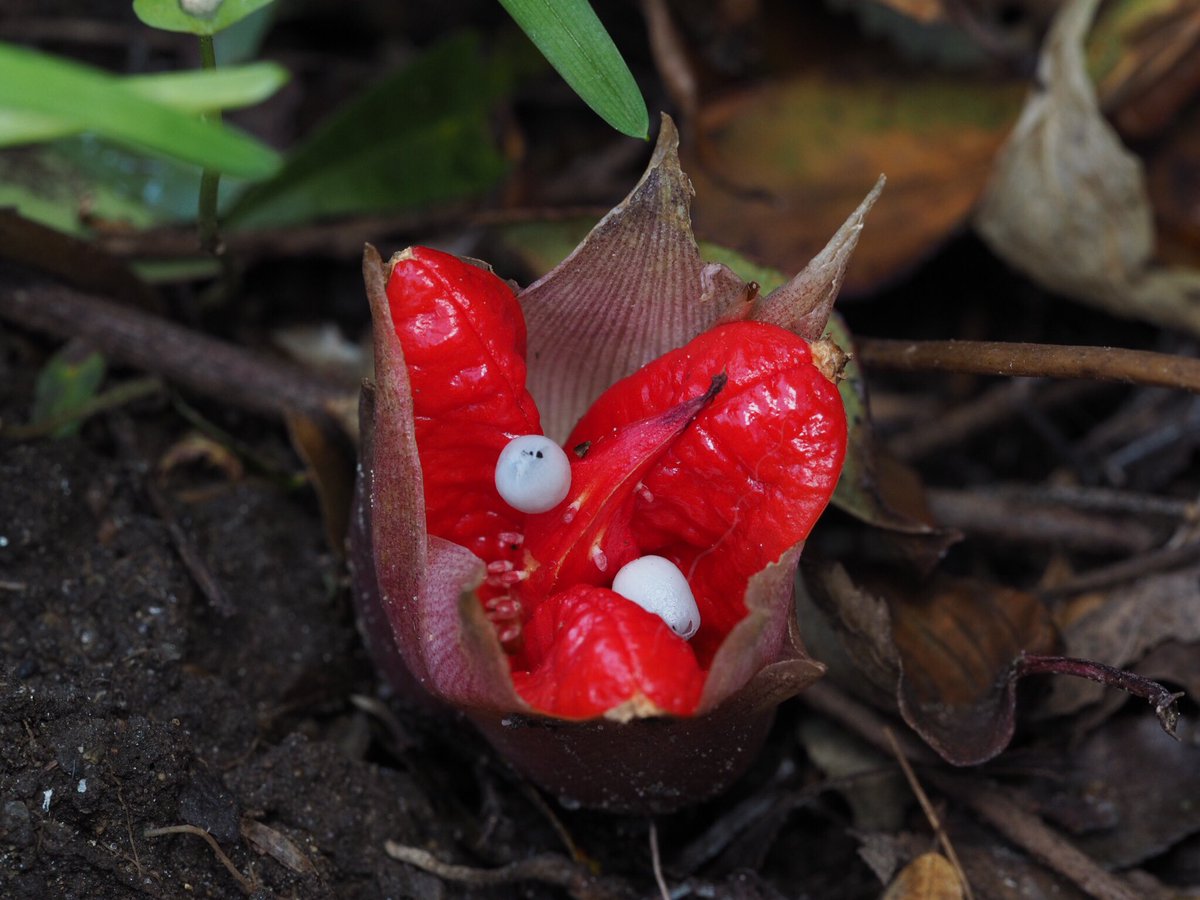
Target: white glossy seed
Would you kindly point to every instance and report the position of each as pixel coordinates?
(533, 474)
(656, 585)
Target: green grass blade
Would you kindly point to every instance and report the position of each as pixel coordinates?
(190, 92)
(575, 42)
(93, 100)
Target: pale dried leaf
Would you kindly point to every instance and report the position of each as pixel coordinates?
(928, 877)
(270, 842)
(1067, 203)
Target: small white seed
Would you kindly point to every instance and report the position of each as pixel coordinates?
(656, 585)
(533, 474)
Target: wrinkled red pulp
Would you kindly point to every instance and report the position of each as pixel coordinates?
(721, 486)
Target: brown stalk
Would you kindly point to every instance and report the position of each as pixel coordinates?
(1033, 361)
(546, 868)
(248, 886)
(931, 815)
(201, 363)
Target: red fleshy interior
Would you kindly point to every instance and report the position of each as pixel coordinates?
(722, 486)
(589, 650)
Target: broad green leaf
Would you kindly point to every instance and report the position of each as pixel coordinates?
(190, 92)
(421, 136)
(577, 45)
(93, 100)
(195, 16)
(64, 385)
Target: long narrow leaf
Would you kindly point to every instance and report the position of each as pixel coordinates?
(190, 92)
(94, 100)
(577, 45)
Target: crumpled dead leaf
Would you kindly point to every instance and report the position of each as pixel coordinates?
(1067, 203)
(1147, 787)
(875, 487)
(1123, 628)
(944, 650)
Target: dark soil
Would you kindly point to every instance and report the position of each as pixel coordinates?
(128, 702)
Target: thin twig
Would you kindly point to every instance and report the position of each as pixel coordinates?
(1160, 560)
(556, 823)
(1032, 835)
(546, 868)
(137, 860)
(724, 830)
(930, 813)
(1107, 500)
(1029, 519)
(199, 362)
(1032, 360)
(1165, 702)
(337, 239)
(656, 863)
(862, 720)
(210, 179)
(247, 886)
(185, 548)
(667, 48)
(1023, 828)
(991, 409)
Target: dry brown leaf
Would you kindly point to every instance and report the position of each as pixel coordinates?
(928, 877)
(946, 650)
(777, 168)
(1148, 65)
(920, 10)
(1147, 786)
(1131, 621)
(1173, 179)
(329, 461)
(1067, 204)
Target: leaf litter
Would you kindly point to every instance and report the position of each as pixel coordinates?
(912, 635)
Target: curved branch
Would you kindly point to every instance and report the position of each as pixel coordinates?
(1032, 360)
